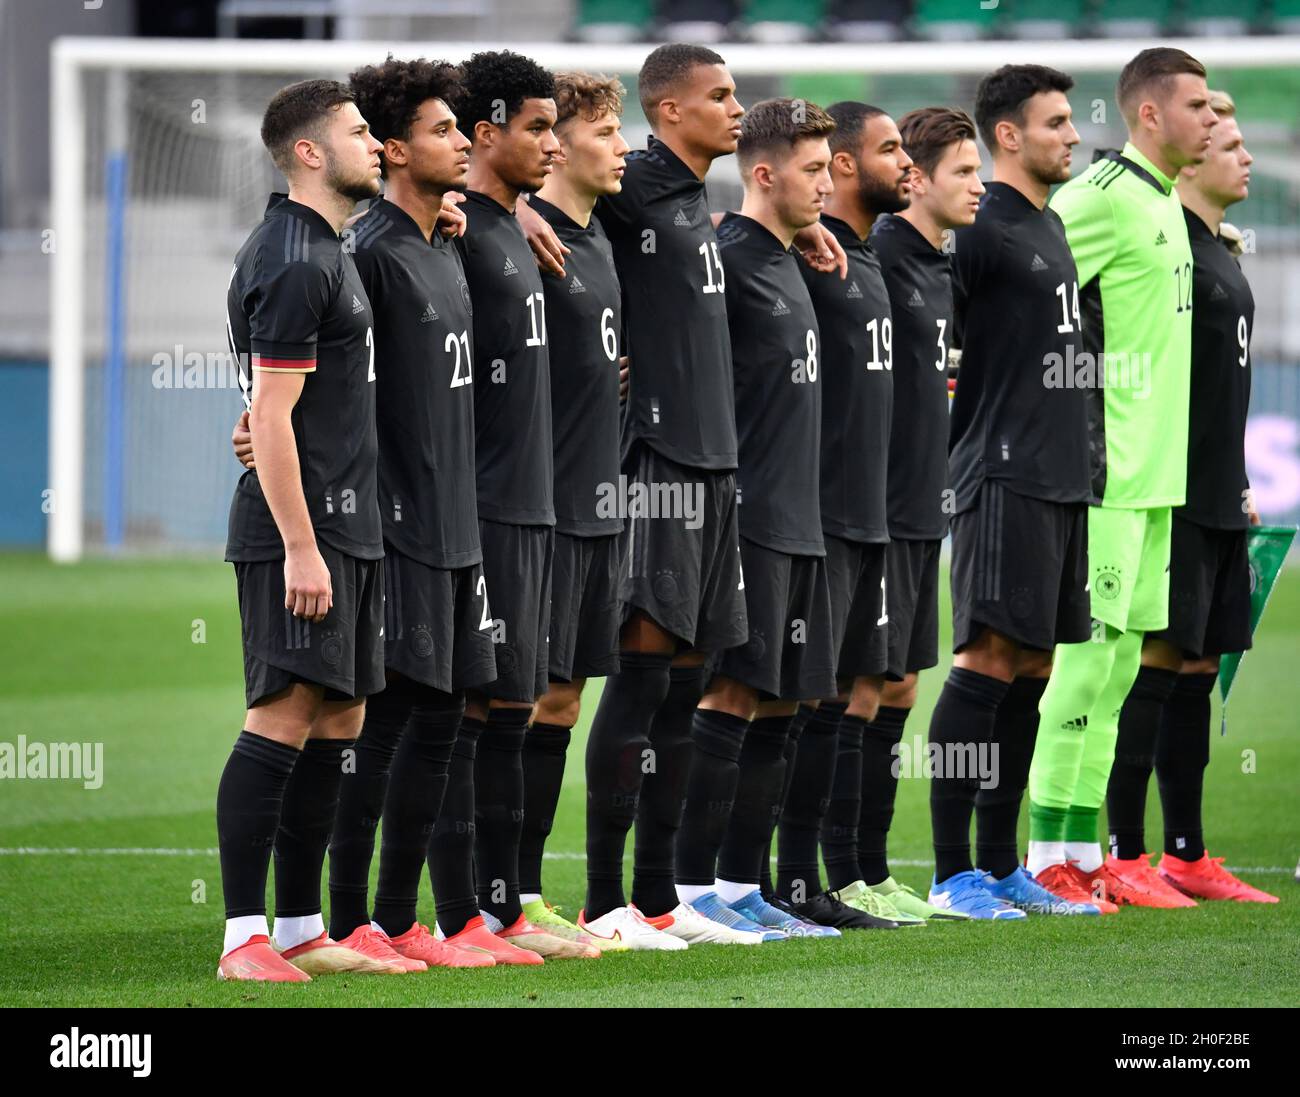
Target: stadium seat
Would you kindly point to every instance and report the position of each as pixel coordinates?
(777, 21)
(701, 21)
(1219, 18)
(867, 20)
(954, 20)
(1042, 19)
(1286, 16)
(613, 20)
(1132, 18)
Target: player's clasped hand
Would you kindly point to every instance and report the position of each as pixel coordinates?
(242, 439)
(308, 589)
(451, 219)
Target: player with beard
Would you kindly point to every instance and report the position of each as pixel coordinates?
(870, 169)
(1018, 457)
(508, 110)
(1165, 721)
(304, 537)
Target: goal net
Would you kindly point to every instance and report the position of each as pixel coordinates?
(159, 175)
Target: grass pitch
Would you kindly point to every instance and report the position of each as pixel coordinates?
(143, 657)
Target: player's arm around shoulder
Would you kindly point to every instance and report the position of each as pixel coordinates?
(1089, 221)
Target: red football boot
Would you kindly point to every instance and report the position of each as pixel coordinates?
(255, 960)
(1208, 879)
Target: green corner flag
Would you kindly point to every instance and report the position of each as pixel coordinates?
(1266, 547)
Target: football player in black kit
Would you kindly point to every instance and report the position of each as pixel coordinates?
(1165, 722)
(437, 644)
(945, 190)
(743, 721)
(584, 320)
(305, 535)
(681, 593)
(1020, 470)
(508, 111)
(825, 796)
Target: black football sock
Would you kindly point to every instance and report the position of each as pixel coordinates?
(306, 820)
(615, 763)
(1182, 753)
(961, 726)
(1135, 751)
(748, 835)
(710, 795)
(361, 803)
(807, 802)
(879, 789)
(663, 796)
(248, 815)
(793, 734)
(499, 812)
(839, 833)
(451, 849)
(997, 809)
(544, 750)
(415, 795)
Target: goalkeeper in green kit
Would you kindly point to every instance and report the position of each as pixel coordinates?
(1126, 230)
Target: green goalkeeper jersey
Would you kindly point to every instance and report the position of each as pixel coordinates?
(1125, 227)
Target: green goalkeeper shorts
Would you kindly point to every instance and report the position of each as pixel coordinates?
(1128, 567)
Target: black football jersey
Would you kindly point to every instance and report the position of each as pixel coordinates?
(920, 302)
(1223, 317)
(857, 379)
(584, 312)
(296, 304)
(424, 378)
(1016, 312)
(512, 382)
(774, 345)
(680, 400)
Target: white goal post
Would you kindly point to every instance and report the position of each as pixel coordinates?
(75, 59)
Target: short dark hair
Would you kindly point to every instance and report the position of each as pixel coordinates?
(850, 120)
(1003, 93)
(297, 111)
(390, 95)
(776, 125)
(664, 70)
(497, 78)
(928, 131)
(1157, 66)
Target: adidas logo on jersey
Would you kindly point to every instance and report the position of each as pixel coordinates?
(780, 308)
(510, 267)
(1218, 293)
(681, 220)
(429, 314)
(576, 285)
(1038, 263)
(915, 301)
(1160, 238)
(853, 290)
(357, 306)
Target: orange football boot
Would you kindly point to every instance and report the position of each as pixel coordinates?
(1208, 879)
(255, 960)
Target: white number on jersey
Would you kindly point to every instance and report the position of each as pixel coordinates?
(882, 335)
(459, 343)
(709, 286)
(536, 303)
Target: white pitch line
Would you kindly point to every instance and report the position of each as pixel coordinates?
(559, 855)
